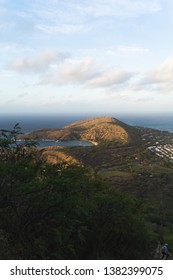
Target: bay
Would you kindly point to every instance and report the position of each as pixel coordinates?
(74, 143)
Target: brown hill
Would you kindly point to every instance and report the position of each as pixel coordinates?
(97, 130)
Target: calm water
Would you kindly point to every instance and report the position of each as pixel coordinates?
(164, 122)
(44, 143)
(30, 123)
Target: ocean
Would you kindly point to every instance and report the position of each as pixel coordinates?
(160, 122)
(36, 122)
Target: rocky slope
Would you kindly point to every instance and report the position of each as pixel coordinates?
(97, 130)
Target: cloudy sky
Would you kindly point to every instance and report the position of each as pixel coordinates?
(84, 56)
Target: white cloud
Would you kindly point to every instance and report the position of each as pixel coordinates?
(163, 73)
(73, 72)
(23, 94)
(57, 16)
(60, 69)
(124, 8)
(5, 74)
(110, 78)
(76, 16)
(61, 28)
(99, 8)
(159, 79)
(37, 64)
(132, 49)
(88, 73)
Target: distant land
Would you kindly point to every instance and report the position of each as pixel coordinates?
(104, 132)
(96, 130)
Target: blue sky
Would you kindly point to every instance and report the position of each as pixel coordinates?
(83, 56)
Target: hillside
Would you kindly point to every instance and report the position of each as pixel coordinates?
(97, 130)
(122, 164)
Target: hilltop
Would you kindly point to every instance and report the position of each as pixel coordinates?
(97, 130)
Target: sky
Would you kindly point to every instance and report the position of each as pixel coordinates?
(85, 56)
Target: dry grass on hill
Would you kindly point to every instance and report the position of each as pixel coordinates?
(97, 130)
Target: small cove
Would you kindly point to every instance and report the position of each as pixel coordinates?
(74, 143)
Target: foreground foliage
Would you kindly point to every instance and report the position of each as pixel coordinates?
(53, 212)
(60, 212)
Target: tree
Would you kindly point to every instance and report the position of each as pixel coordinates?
(11, 147)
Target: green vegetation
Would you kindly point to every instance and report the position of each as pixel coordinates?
(10, 147)
(62, 212)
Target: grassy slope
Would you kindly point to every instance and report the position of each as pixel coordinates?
(97, 130)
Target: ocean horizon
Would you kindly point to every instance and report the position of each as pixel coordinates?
(36, 122)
